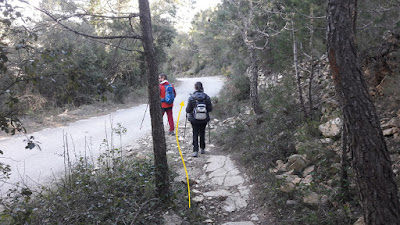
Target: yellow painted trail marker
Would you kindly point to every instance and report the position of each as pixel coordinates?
(177, 141)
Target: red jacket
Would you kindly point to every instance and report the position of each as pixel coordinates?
(162, 95)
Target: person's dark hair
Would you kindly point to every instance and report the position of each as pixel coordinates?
(198, 86)
(163, 75)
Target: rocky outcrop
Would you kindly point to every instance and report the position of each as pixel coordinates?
(266, 78)
(295, 173)
(332, 128)
(391, 127)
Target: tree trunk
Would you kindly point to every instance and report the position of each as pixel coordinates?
(310, 82)
(344, 178)
(255, 102)
(157, 128)
(143, 69)
(299, 89)
(370, 157)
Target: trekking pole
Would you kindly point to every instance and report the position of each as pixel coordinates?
(209, 132)
(144, 115)
(184, 131)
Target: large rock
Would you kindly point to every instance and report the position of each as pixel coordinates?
(314, 199)
(297, 162)
(288, 178)
(280, 165)
(199, 198)
(308, 170)
(360, 221)
(394, 122)
(391, 131)
(332, 128)
(288, 187)
(171, 218)
(307, 180)
(254, 217)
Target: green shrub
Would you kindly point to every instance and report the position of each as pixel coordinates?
(240, 89)
(125, 94)
(233, 97)
(264, 142)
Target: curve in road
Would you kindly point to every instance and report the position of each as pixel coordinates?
(86, 137)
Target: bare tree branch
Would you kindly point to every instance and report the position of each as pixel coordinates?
(58, 21)
(117, 46)
(22, 79)
(132, 15)
(80, 15)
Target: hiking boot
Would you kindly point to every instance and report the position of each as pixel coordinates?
(202, 151)
(171, 133)
(195, 154)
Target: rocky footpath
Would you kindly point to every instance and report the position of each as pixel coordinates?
(218, 186)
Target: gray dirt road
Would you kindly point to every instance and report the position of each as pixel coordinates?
(32, 167)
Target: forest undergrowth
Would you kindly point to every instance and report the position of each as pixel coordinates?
(114, 188)
(258, 142)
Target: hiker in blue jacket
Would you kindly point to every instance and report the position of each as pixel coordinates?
(165, 106)
(198, 108)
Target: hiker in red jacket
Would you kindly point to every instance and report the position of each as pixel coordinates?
(162, 78)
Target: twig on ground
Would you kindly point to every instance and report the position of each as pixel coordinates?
(140, 209)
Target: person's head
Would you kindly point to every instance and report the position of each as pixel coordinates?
(198, 86)
(162, 77)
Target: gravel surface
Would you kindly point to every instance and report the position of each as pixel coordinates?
(86, 137)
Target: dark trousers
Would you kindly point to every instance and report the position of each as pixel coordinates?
(199, 130)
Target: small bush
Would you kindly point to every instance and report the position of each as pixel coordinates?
(125, 94)
(240, 89)
(264, 142)
(233, 97)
